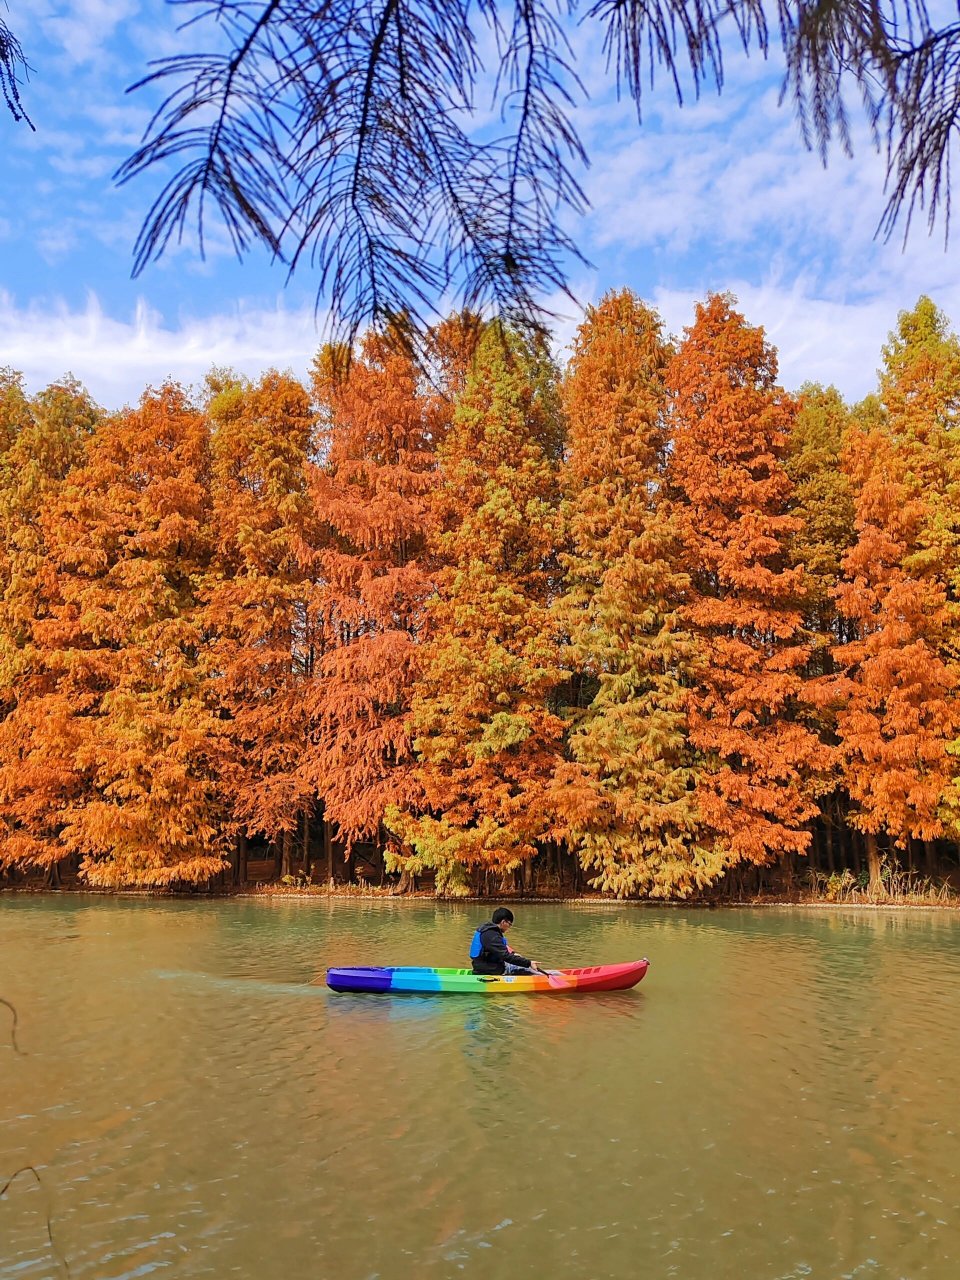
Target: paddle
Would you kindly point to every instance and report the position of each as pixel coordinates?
(540, 973)
(554, 976)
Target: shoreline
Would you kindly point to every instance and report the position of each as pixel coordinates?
(421, 896)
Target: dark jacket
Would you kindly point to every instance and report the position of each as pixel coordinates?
(496, 955)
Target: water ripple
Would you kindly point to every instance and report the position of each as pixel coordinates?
(777, 1099)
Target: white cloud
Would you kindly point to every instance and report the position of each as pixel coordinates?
(819, 339)
(723, 195)
(748, 185)
(719, 194)
(83, 28)
(117, 358)
(55, 243)
(119, 124)
(90, 167)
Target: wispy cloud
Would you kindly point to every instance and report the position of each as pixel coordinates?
(719, 194)
(83, 29)
(117, 358)
(817, 340)
(723, 195)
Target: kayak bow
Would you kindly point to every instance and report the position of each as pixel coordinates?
(604, 977)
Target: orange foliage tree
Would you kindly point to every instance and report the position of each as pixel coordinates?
(380, 425)
(476, 615)
(43, 438)
(111, 730)
(487, 736)
(259, 619)
(629, 792)
(748, 713)
(896, 690)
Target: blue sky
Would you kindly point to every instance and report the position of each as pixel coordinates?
(720, 194)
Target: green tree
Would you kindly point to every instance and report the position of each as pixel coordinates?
(629, 792)
(486, 735)
(822, 502)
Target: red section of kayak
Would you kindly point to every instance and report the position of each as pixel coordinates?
(606, 977)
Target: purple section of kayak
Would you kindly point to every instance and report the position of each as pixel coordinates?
(358, 979)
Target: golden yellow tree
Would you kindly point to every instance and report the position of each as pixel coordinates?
(483, 718)
(629, 791)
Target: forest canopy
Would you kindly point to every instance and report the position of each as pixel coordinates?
(649, 612)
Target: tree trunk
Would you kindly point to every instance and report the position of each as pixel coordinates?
(831, 857)
(286, 855)
(873, 862)
(789, 872)
(815, 851)
(856, 858)
(306, 844)
(234, 858)
(930, 858)
(381, 841)
(328, 848)
(242, 857)
(408, 882)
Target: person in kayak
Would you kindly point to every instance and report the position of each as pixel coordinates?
(490, 953)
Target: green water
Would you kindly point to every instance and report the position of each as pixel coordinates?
(778, 1098)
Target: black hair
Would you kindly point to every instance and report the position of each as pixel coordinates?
(502, 913)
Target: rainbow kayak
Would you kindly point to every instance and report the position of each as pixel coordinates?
(604, 977)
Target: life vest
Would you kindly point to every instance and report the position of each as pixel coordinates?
(476, 945)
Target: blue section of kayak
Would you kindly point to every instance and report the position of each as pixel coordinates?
(376, 979)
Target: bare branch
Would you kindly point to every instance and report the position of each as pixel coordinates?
(345, 133)
(13, 70)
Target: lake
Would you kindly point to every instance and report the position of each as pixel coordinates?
(778, 1098)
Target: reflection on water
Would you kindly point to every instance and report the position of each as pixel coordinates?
(776, 1099)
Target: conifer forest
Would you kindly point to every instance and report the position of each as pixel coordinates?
(456, 616)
